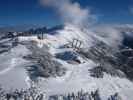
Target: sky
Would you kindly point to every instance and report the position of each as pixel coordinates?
(21, 12)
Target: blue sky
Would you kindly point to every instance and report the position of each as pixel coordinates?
(19, 12)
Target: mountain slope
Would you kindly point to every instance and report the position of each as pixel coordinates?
(61, 67)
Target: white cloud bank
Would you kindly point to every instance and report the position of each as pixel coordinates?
(110, 34)
(70, 12)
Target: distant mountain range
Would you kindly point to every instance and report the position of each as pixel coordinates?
(44, 29)
(18, 28)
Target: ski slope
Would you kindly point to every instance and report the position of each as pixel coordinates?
(14, 75)
(78, 77)
(12, 71)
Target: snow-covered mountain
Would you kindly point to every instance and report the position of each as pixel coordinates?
(67, 60)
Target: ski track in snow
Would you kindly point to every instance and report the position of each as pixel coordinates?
(12, 65)
(13, 74)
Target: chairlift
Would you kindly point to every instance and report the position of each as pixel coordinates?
(76, 44)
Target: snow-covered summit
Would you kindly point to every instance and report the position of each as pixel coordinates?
(60, 67)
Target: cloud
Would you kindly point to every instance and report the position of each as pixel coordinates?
(109, 34)
(70, 12)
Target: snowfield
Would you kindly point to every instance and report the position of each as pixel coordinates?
(12, 71)
(14, 75)
(78, 78)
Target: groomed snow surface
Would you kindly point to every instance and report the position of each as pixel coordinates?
(12, 72)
